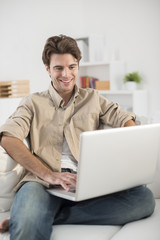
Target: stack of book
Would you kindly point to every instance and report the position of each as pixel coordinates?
(17, 88)
(91, 82)
(88, 82)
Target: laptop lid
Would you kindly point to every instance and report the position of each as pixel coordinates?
(115, 159)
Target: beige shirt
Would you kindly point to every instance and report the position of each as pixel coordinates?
(43, 117)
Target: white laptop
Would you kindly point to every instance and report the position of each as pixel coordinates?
(113, 160)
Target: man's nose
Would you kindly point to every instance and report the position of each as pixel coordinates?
(65, 72)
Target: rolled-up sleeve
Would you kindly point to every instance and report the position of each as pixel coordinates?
(112, 114)
(18, 124)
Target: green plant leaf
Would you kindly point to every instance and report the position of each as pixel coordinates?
(132, 77)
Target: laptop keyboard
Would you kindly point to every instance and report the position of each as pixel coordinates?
(72, 189)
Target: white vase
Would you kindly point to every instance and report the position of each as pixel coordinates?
(131, 86)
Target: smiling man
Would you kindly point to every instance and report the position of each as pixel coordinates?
(53, 120)
(63, 70)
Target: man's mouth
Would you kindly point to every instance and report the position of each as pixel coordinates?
(68, 81)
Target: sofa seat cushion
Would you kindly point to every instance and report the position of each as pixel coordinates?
(4, 236)
(72, 232)
(85, 232)
(146, 229)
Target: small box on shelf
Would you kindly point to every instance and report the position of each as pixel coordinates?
(103, 85)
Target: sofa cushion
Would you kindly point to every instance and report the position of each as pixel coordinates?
(6, 162)
(4, 236)
(8, 180)
(72, 232)
(85, 232)
(10, 174)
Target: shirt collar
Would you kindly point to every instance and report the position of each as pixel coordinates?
(57, 99)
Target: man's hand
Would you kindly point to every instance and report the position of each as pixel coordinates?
(65, 179)
(129, 123)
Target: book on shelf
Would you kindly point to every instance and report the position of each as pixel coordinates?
(17, 88)
(88, 82)
(91, 82)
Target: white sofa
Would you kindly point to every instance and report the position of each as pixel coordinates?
(146, 229)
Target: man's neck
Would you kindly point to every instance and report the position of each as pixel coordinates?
(66, 97)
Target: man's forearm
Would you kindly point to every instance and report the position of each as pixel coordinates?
(20, 153)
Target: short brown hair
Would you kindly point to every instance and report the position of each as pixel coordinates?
(60, 45)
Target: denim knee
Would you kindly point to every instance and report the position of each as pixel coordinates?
(143, 203)
(32, 213)
(148, 201)
(27, 226)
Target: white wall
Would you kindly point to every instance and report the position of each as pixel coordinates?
(131, 26)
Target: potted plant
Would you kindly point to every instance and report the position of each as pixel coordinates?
(131, 80)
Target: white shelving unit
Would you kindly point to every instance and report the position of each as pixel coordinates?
(95, 65)
(112, 71)
(95, 61)
(135, 101)
(93, 48)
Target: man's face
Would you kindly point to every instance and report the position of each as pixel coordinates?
(63, 71)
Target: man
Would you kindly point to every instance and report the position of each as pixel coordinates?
(53, 120)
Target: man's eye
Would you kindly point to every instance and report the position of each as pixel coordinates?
(59, 68)
(72, 67)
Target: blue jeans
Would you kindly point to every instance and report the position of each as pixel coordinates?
(34, 210)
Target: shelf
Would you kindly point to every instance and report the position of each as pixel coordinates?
(90, 64)
(97, 63)
(104, 70)
(120, 92)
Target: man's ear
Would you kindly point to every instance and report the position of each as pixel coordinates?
(48, 69)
